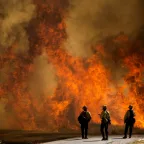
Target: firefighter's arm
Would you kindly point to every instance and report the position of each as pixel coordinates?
(79, 116)
(90, 116)
(126, 116)
(108, 115)
(101, 115)
(134, 114)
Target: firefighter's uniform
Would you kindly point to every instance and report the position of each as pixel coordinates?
(105, 121)
(129, 121)
(84, 119)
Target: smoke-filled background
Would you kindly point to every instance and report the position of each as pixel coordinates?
(56, 56)
(14, 18)
(91, 21)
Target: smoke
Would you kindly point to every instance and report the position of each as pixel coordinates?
(3, 113)
(3, 74)
(43, 79)
(92, 20)
(14, 18)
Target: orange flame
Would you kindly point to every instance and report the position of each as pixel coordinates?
(81, 81)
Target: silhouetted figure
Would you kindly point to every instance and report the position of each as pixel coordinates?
(105, 121)
(129, 121)
(84, 118)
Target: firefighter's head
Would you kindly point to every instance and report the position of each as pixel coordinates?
(84, 108)
(130, 107)
(104, 107)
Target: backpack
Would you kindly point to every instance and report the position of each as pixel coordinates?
(131, 118)
(83, 117)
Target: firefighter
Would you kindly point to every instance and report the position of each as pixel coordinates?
(105, 121)
(84, 118)
(129, 121)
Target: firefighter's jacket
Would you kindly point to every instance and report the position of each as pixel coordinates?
(105, 117)
(84, 117)
(129, 117)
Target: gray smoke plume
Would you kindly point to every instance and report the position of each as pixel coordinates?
(14, 18)
(89, 21)
(43, 79)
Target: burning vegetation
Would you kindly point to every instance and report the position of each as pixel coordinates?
(56, 56)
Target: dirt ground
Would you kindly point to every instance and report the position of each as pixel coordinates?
(31, 137)
(35, 137)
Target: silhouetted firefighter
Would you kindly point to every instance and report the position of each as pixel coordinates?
(129, 121)
(84, 118)
(105, 121)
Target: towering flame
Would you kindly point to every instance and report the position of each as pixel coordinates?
(56, 56)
